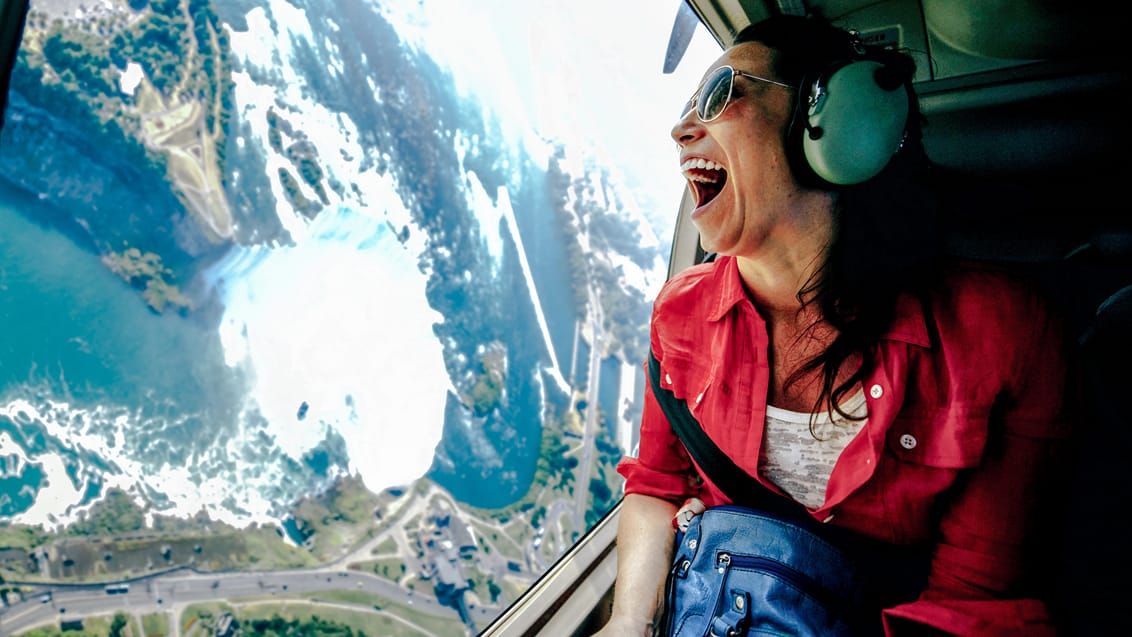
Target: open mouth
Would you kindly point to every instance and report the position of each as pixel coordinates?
(705, 177)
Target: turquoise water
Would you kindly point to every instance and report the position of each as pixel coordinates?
(98, 369)
(72, 325)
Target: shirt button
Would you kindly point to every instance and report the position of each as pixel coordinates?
(908, 441)
(668, 379)
(876, 391)
(828, 519)
(699, 398)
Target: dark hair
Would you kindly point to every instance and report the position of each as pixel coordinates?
(885, 235)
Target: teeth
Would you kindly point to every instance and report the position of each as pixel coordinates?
(700, 163)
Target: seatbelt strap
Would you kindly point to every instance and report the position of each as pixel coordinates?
(738, 485)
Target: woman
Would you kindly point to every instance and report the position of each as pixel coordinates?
(830, 354)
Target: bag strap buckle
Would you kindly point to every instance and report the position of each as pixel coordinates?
(733, 621)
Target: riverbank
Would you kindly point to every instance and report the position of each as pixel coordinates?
(419, 537)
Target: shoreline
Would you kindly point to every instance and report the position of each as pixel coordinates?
(343, 521)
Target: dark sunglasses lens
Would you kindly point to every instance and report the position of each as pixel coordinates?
(715, 93)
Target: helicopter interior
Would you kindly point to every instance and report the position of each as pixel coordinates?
(1023, 103)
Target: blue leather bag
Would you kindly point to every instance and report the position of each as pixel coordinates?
(738, 571)
(771, 569)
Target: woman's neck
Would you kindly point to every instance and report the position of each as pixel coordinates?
(788, 259)
(774, 284)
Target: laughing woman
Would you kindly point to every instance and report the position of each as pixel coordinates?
(833, 357)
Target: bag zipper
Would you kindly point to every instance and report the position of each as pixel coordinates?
(725, 561)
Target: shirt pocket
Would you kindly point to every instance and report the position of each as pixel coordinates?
(689, 378)
(951, 437)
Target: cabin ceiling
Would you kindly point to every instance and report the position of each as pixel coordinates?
(961, 36)
(1024, 100)
(1007, 86)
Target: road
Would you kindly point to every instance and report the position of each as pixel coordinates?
(174, 591)
(593, 384)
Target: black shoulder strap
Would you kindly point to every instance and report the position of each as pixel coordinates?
(739, 485)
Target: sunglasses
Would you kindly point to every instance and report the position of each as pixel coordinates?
(715, 93)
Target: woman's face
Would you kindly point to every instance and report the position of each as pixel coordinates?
(736, 165)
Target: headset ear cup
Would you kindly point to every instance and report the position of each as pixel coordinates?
(853, 125)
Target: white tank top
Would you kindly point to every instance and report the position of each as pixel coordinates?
(796, 461)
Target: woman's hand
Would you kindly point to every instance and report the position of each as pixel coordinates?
(691, 508)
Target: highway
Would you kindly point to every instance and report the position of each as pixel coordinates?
(593, 383)
(174, 591)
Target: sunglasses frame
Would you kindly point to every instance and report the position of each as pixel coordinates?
(693, 103)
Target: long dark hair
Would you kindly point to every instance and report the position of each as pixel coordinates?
(885, 237)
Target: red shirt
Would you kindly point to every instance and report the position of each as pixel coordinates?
(966, 424)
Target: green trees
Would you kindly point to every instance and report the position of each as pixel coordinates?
(115, 515)
(605, 487)
(118, 625)
(81, 56)
(487, 392)
(158, 43)
(146, 272)
(279, 627)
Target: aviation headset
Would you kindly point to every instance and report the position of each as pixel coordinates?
(851, 117)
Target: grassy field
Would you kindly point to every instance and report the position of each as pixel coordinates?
(92, 626)
(364, 614)
(155, 625)
(391, 568)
